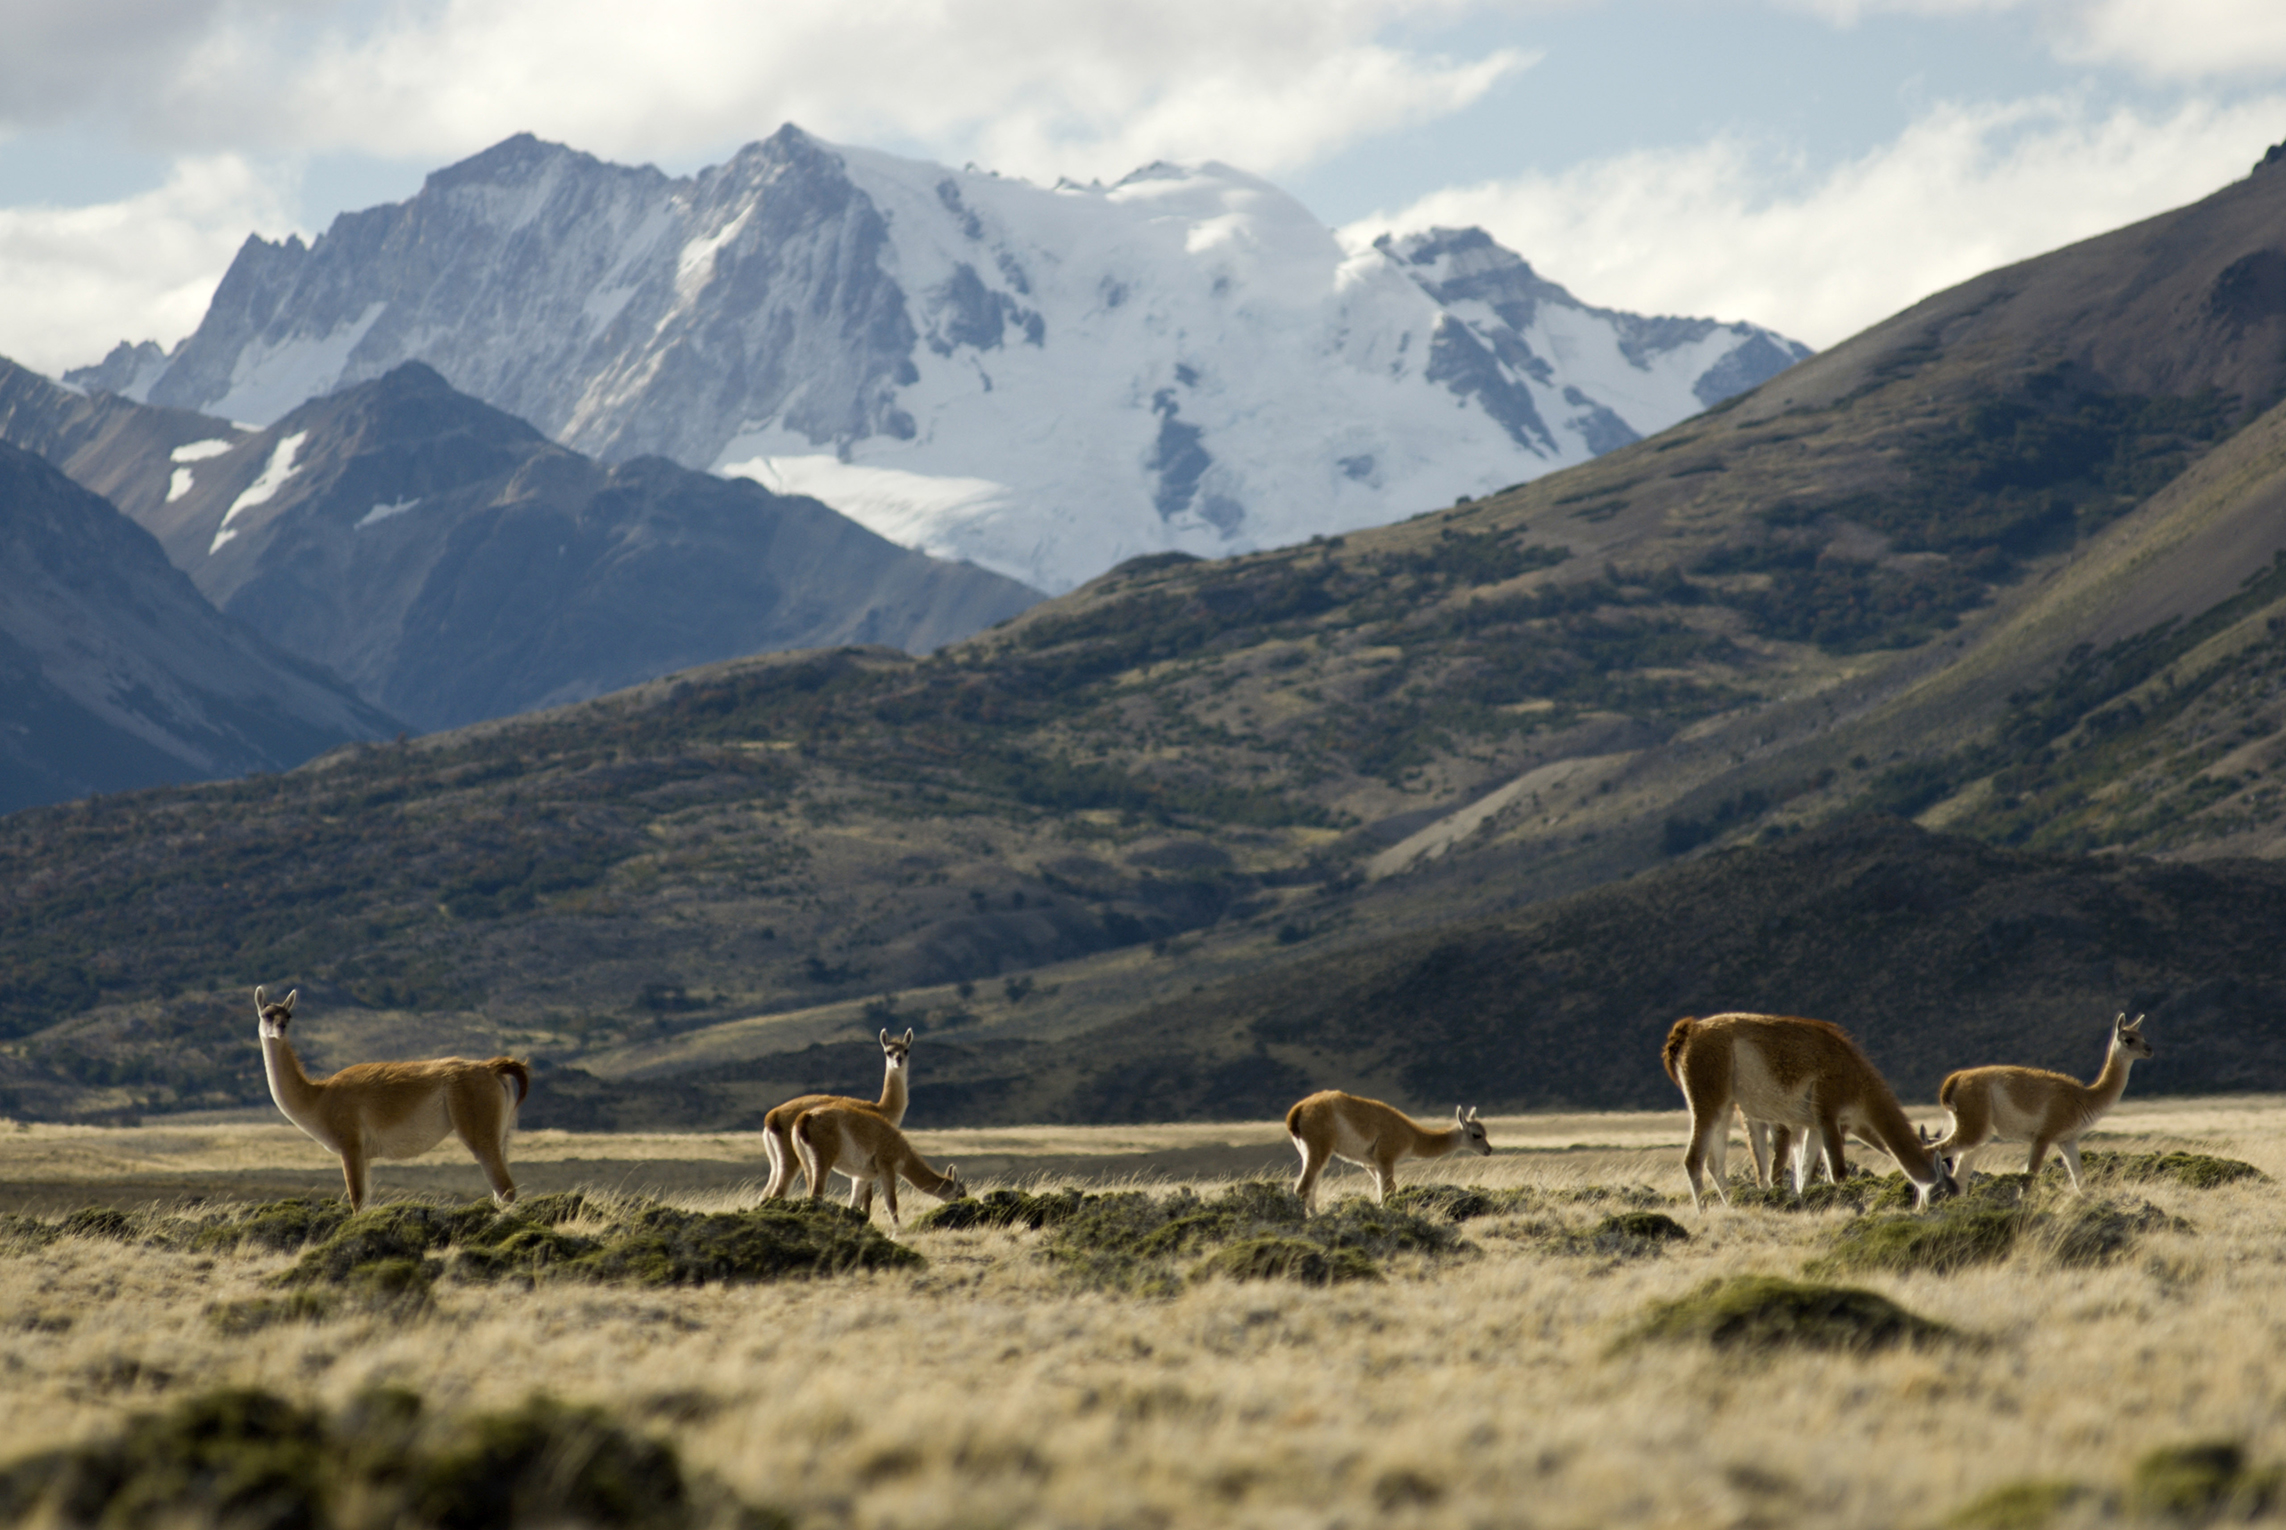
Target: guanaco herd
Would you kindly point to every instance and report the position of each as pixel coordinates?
(1801, 1086)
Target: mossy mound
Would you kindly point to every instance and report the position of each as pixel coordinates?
(1949, 1236)
(247, 1458)
(1133, 1240)
(2196, 1171)
(1988, 1225)
(1463, 1203)
(1003, 1208)
(667, 1247)
(2029, 1505)
(280, 1226)
(1765, 1312)
(2200, 1483)
(1295, 1259)
(260, 1312)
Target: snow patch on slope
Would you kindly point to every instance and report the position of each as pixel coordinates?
(269, 380)
(273, 477)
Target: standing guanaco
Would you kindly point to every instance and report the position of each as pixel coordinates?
(1374, 1136)
(1789, 1072)
(855, 1140)
(394, 1109)
(2036, 1106)
(778, 1125)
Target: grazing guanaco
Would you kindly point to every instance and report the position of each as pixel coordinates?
(778, 1125)
(395, 1109)
(1374, 1136)
(855, 1140)
(1803, 1074)
(2033, 1105)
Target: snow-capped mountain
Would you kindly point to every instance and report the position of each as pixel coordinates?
(1046, 381)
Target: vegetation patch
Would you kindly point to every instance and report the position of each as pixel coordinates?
(1464, 1203)
(1988, 1224)
(2196, 1484)
(2196, 1171)
(245, 1457)
(2029, 1505)
(1135, 1241)
(1296, 1259)
(1765, 1312)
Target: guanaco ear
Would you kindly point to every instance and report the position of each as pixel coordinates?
(908, 1035)
(288, 1001)
(1459, 1114)
(261, 998)
(885, 1036)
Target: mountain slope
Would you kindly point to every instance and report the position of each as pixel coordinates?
(1045, 381)
(455, 565)
(115, 672)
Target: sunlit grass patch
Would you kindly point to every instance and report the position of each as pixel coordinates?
(1295, 1259)
(1985, 1227)
(1767, 1312)
(2029, 1505)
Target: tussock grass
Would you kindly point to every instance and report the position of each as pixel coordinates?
(1765, 1312)
(991, 1386)
(246, 1457)
(2201, 1482)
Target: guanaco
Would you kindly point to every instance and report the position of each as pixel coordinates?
(395, 1109)
(1791, 1072)
(2034, 1105)
(857, 1141)
(1374, 1136)
(778, 1125)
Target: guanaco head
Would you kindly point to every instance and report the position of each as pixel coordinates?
(2128, 1036)
(272, 1019)
(895, 1050)
(954, 1187)
(1473, 1130)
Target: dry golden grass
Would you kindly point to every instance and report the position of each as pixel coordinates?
(985, 1391)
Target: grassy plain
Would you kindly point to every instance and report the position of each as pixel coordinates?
(989, 1389)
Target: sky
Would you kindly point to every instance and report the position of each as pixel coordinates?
(1812, 165)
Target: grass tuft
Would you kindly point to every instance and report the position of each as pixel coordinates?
(1951, 1236)
(1766, 1312)
(2198, 1483)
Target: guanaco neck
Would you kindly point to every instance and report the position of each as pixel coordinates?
(1898, 1139)
(892, 1106)
(2112, 1081)
(1437, 1142)
(294, 1091)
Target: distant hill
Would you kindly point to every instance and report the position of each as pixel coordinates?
(454, 565)
(1044, 380)
(2007, 562)
(115, 673)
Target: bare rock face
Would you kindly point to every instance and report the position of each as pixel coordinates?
(116, 673)
(1047, 381)
(454, 564)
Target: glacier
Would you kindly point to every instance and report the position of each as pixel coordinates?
(1042, 380)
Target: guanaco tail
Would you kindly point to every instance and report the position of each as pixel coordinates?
(395, 1109)
(1374, 1136)
(778, 1125)
(2036, 1106)
(855, 1140)
(1801, 1074)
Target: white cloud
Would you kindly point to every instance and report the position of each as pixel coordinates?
(137, 269)
(2181, 39)
(1727, 229)
(1036, 87)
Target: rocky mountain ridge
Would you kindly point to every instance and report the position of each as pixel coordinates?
(454, 565)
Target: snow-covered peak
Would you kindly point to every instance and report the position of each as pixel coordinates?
(1044, 380)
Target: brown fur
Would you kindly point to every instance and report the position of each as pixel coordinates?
(2034, 1105)
(856, 1140)
(1788, 1072)
(778, 1125)
(1330, 1124)
(395, 1109)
